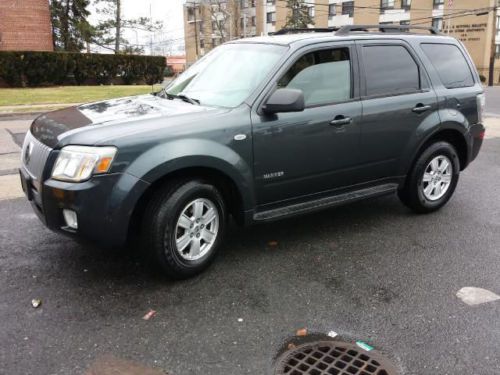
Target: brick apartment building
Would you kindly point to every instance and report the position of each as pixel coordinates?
(25, 25)
(474, 22)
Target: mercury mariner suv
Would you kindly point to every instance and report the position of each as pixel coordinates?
(260, 129)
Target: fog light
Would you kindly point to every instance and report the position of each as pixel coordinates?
(70, 219)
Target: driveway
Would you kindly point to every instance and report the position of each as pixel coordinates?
(371, 271)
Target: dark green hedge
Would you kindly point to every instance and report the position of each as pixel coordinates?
(19, 69)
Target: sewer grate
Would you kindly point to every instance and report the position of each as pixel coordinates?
(333, 358)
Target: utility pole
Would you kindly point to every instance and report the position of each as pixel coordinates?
(151, 36)
(491, 75)
(195, 29)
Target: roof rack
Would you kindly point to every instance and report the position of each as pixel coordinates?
(305, 30)
(345, 30)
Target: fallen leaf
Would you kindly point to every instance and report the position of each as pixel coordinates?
(149, 315)
(36, 303)
(273, 243)
(302, 332)
(291, 346)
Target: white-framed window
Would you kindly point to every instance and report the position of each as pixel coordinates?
(437, 23)
(386, 4)
(271, 17)
(332, 10)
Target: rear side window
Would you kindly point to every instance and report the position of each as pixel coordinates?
(450, 64)
(390, 70)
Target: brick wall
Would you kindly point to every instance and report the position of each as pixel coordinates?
(25, 25)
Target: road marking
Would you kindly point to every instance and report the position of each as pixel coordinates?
(475, 296)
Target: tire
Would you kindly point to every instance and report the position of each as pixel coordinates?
(429, 186)
(162, 228)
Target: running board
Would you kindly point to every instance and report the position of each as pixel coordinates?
(322, 203)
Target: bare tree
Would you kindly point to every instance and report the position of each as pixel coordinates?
(220, 15)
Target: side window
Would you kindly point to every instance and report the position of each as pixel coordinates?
(450, 63)
(390, 70)
(323, 76)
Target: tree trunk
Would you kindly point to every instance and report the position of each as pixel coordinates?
(118, 26)
(65, 27)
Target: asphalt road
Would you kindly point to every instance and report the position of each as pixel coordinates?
(371, 271)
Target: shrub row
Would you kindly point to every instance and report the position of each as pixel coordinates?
(19, 69)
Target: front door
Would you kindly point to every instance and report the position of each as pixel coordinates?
(303, 153)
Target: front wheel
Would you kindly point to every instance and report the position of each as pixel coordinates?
(183, 227)
(433, 178)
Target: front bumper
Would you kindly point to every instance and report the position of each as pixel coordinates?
(104, 205)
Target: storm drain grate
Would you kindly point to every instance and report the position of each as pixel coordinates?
(332, 358)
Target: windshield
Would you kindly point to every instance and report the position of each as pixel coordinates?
(227, 75)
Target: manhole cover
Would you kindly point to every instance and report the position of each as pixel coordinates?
(333, 358)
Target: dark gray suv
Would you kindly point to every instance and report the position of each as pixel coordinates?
(260, 129)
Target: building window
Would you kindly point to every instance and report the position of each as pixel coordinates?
(191, 13)
(202, 43)
(406, 4)
(243, 4)
(271, 17)
(437, 23)
(348, 8)
(437, 3)
(271, 2)
(386, 4)
(497, 51)
(498, 24)
(332, 10)
(252, 3)
(254, 21)
(310, 10)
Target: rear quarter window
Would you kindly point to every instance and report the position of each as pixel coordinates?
(450, 64)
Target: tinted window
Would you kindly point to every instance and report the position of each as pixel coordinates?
(450, 64)
(390, 70)
(323, 76)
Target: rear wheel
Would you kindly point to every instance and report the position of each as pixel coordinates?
(433, 178)
(183, 227)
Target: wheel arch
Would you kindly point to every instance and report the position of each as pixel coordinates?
(455, 134)
(234, 197)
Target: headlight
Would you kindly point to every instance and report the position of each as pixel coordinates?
(78, 163)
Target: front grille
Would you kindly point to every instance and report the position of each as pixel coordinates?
(34, 156)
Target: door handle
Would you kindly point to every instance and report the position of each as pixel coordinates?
(341, 120)
(420, 108)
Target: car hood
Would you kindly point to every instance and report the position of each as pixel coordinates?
(51, 127)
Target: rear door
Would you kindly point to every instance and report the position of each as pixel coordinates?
(396, 99)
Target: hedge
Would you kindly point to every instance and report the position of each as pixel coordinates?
(19, 69)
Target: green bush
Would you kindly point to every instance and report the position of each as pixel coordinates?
(19, 69)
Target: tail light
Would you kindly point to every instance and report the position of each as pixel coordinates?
(481, 101)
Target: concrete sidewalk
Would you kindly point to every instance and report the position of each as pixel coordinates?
(10, 157)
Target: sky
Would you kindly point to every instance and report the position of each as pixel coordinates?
(171, 40)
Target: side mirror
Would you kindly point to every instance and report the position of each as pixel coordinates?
(285, 100)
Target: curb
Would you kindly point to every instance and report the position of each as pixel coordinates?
(20, 115)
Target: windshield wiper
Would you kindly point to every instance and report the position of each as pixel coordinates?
(183, 97)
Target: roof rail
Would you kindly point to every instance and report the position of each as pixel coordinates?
(305, 30)
(345, 30)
